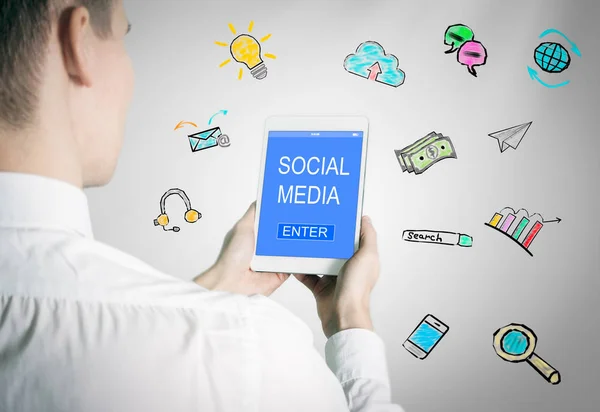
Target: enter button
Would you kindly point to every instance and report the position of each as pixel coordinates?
(302, 231)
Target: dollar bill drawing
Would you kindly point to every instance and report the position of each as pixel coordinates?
(425, 152)
(409, 148)
(428, 156)
(417, 148)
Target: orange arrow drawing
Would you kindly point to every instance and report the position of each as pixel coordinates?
(181, 123)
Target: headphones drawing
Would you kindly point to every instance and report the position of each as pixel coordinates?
(191, 215)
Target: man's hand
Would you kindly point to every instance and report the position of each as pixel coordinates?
(343, 300)
(231, 272)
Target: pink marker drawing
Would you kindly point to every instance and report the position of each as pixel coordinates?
(374, 71)
(471, 54)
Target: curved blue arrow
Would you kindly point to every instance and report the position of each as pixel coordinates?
(574, 47)
(533, 74)
(220, 111)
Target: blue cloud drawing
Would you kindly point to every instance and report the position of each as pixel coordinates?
(369, 53)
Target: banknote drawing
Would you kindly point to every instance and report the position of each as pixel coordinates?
(425, 152)
(516, 343)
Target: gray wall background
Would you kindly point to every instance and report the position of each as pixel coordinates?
(475, 291)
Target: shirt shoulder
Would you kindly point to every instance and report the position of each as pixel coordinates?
(62, 266)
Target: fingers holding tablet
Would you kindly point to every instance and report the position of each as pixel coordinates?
(368, 235)
(359, 275)
(343, 302)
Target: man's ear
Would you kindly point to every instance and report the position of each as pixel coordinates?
(75, 34)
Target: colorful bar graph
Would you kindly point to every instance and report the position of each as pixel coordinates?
(509, 219)
(532, 234)
(527, 228)
(494, 222)
(522, 225)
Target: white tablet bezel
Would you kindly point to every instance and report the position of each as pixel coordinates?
(302, 265)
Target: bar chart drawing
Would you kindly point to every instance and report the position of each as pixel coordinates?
(519, 226)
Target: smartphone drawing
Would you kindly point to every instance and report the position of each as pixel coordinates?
(425, 337)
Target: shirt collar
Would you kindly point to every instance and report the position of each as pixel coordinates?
(38, 202)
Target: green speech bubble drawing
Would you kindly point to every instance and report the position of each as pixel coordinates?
(456, 35)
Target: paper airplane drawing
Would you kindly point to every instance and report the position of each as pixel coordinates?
(510, 137)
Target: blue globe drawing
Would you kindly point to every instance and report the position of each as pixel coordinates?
(552, 57)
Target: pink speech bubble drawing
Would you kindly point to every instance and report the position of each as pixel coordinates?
(471, 54)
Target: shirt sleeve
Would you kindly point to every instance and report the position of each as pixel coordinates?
(290, 374)
(357, 358)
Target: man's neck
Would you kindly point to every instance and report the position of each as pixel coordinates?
(40, 153)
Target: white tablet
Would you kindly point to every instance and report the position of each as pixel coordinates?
(310, 193)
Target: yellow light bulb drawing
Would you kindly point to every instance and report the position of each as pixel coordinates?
(246, 49)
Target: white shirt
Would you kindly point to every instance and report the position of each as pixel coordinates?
(84, 327)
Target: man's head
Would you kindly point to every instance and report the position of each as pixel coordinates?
(65, 86)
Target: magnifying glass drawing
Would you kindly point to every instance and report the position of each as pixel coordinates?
(516, 343)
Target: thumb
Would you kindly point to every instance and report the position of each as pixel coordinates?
(308, 280)
(248, 218)
(368, 236)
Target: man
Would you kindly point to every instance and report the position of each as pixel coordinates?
(84, 327)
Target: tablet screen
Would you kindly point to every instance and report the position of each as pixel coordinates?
(310, 194)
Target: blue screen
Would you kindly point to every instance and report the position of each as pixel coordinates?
(425, 336)
(310, 194)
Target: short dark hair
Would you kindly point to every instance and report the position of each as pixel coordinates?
(25, 27)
